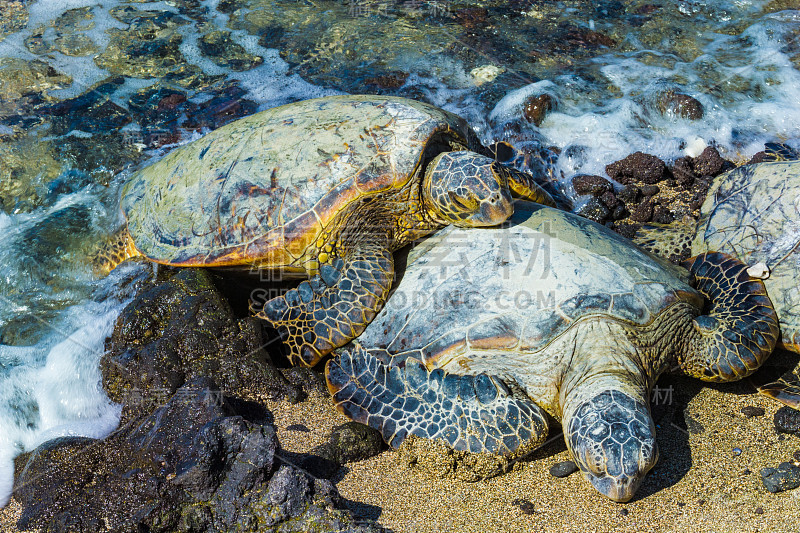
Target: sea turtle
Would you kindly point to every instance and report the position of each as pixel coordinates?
(753, 213)
(488, 332)
(326, 188)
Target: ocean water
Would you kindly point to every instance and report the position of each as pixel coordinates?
(59, 184)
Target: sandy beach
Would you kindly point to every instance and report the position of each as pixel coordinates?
(700, 482)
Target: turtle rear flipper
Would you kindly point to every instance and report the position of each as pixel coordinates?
(739, 331)
(672, 241)
(469, 413)
(786, 389)
(334, 307)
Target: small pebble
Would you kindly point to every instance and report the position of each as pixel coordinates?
(524, 505)
(298, 427)
(750, 411)
(650, 190)
(796, 455)
(759, 510)
(746, 472)
(701, 502)
(563, 469)
(737, 451)
(623, 512)
(787, 420)
(785, 477)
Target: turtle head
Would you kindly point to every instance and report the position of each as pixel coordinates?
(612, 438)
(467, 189)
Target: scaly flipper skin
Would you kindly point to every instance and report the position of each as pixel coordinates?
(523, 186)
(739, 331)
(334, 307)
(612, 438)
(670, 241)
(117, 250)
(786, 390)
(469, 413)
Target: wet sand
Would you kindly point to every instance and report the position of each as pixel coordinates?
(700, 484)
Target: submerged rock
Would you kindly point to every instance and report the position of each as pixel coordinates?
(681, 105)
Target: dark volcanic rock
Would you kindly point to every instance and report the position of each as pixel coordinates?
(588, 184)
(630, 194)
(643, 212)
(563, 469)
(683, 172)
(351, 442)
(194, 464)
(347, 443)
(751, 411)
(662, 215)
(785, 477)
(710, 163)
(183, 328)
(787, 420)
(595, 210)
(679, 105)
(637, 168)
(536, 108)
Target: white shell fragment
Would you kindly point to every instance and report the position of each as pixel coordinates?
(759, 270)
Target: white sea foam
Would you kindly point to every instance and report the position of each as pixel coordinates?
(746, 84)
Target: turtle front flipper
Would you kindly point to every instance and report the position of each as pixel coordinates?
(523, 186)
(740, 329)
(786, 389)
(468, 413)
(334, 307)
(118, 248)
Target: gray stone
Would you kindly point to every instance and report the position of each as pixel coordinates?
(785, 477)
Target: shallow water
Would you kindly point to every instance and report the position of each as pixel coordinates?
(91, 89)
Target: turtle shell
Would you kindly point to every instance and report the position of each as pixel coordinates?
(265, 187)
(518, 287)
(753, 213)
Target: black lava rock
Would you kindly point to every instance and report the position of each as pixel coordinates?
(710, 163)
(750, 411)
(643, 212)
(630, 194)
(194, 464)
(563, 469)
(524, 505)
(638, 168)
(787, 420)
(347, 443)
(785, 477)
(179, 329)
(537, 107)
(679, 105)
(588, 184)
(683, 172)
(595, 210)
(662, 215)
